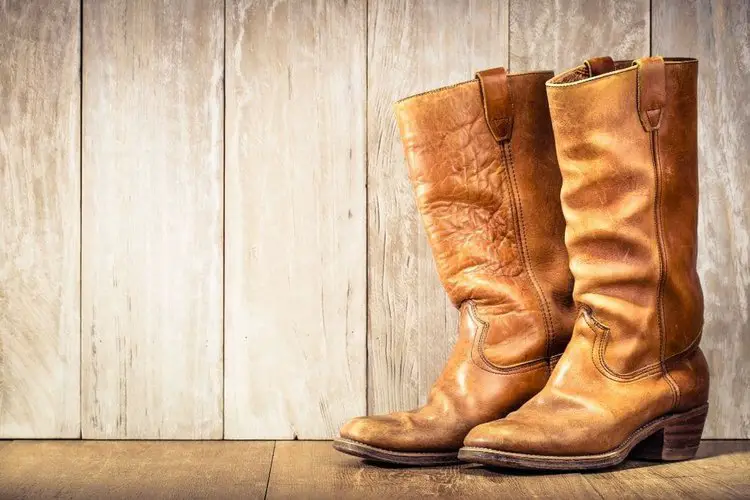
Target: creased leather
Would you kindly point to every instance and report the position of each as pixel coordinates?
(630, 199)
(508, 277)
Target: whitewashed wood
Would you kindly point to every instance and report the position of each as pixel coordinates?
(560, 34)
(295, 217)
(718, 34)
(152, 219)
(413, 46)
(39, 219)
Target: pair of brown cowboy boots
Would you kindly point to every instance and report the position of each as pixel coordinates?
(562, 214)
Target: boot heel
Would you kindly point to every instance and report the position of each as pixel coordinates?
(677, 440)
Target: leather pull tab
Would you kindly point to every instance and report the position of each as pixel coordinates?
(498, 107)
(652, 91)
(599, 65)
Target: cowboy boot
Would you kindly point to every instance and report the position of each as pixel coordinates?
(632, 379)
(482, 163)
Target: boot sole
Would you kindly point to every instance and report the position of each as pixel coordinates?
(669, 438)
(381, 455)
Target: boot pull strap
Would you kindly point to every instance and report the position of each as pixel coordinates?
(651, 91)
(498, 107)
(599, 65)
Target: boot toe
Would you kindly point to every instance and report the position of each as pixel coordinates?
(496, 435)
(509, 436)
(381, 431)
(404, 432)
(358, 429)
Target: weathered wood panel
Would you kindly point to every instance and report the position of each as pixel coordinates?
(152, 219)
(295, 226)
(718, 34)
(413, 46)
(559, 34)
(39, 218)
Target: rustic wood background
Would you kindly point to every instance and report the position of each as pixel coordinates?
(206, 228)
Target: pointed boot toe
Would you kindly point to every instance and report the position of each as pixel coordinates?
(391, 439)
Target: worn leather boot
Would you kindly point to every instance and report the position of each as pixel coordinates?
(482, 163)
(632, 379)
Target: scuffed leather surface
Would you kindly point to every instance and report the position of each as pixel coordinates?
(538, 181)
(608, 201)
(465, 195)
(579, 411)
(463, 396)
(678, 141)
(611, 378)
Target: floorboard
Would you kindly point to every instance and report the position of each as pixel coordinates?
(719, 471)
(134, 469)
(313, 470)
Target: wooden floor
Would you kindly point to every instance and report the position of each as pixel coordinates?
(312, 469)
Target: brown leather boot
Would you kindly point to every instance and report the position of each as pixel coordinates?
(633, 379)
(482, 162)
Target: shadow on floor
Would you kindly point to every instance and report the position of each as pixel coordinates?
(708, 449)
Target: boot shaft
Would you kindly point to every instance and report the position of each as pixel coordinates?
(626, 139)
(482, 163)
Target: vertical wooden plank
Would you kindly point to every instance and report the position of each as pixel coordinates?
(152, 218)
(295, 223)
(413, 46)
(559, 34)
(39, 218)
(717, 32)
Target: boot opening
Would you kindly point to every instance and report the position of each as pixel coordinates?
(581, 72)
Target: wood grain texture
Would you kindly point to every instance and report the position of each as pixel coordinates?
(152, 219)
(81, 469)
(134, 469)
(718, 34)
(39, 218)
(719, 471)
(560, 34)
(316, 470)
(414, 46)
(295, 227)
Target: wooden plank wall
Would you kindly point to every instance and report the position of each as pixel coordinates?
(39, 218)
(718, 34)
(295, 223)
(152, 219)
(252, 264)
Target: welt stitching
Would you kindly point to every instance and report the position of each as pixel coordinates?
(487, 365)
(546, 315)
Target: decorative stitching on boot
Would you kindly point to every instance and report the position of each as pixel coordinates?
(654, 139)
(478, 348)
(518, 210)
(601, 341)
